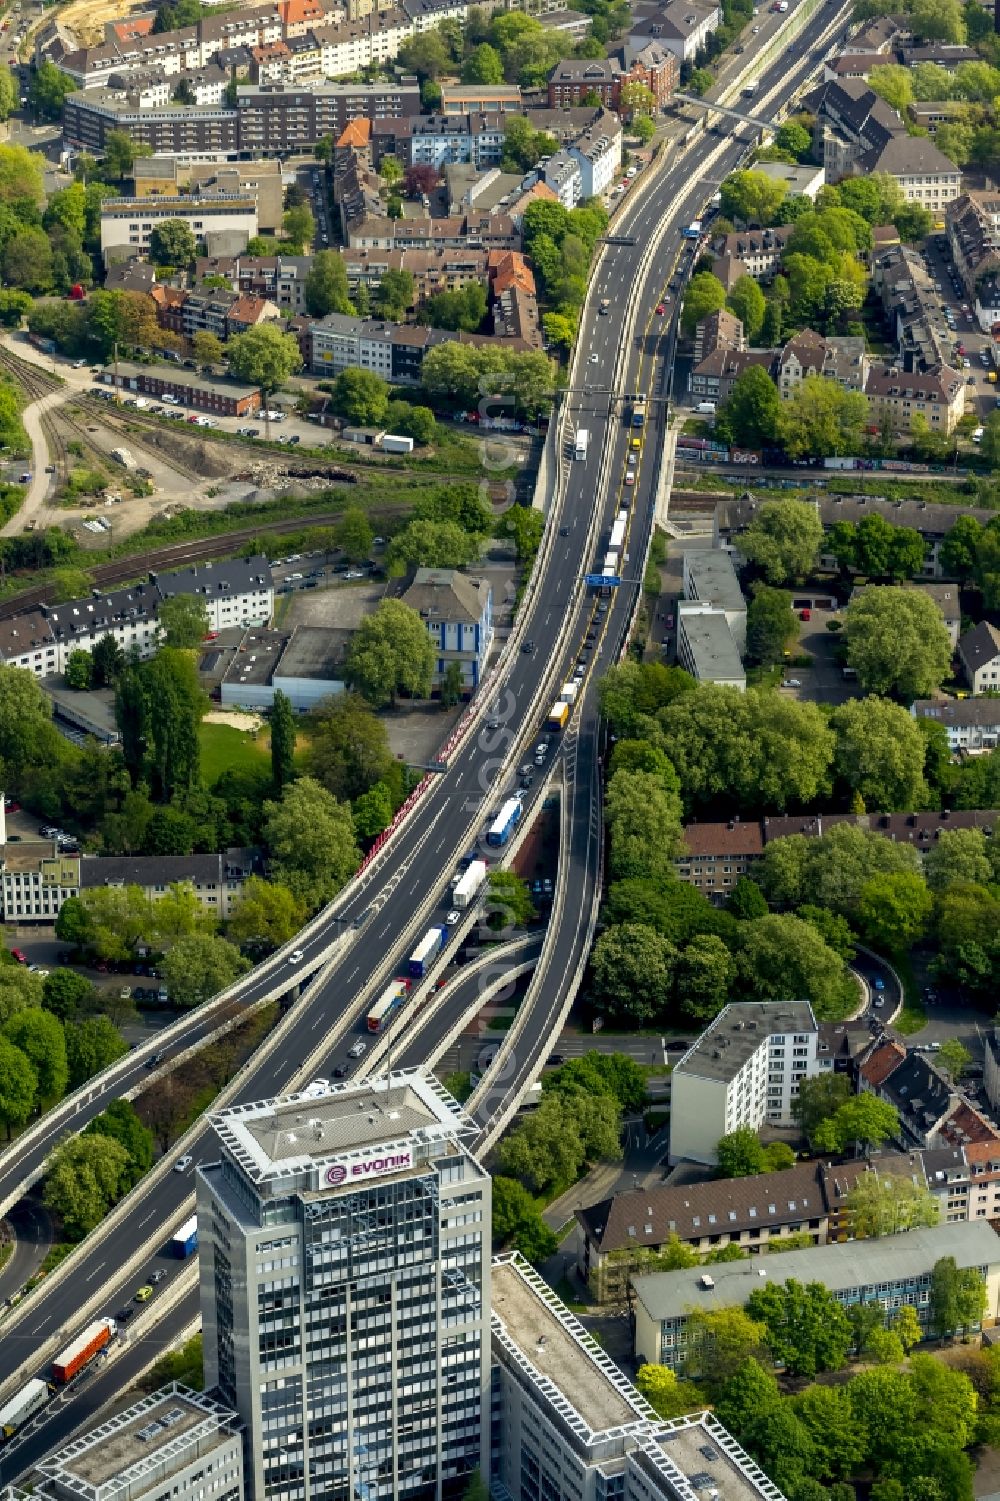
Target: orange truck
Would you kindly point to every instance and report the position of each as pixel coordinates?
(83, 1349)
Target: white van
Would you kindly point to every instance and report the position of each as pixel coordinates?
(706, 408)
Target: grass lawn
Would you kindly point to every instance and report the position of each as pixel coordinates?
(222, 747)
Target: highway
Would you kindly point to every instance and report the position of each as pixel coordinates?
(399, 896)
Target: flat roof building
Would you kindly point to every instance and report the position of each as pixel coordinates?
(176, 1445)
(709, 576)
(306, 664)
(345, 1286)
(568, 1422)
(705, 646)
(892, 1272)
(744, 1070)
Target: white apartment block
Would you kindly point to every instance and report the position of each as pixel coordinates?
(129, 222)
(344, 1251)
(744, 1070)
(972, 724)
(175, 1445)
(598, 154)
(567, 1423)
(33, 887)
(236, 592)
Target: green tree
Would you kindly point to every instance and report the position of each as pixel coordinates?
(372, 811)
(897, 643)
(207, 348)
(174, 705)
(8, 94)
(770, 624)
(310, 836)
(821, 417)
(838, 1445)
(631, 967)
(644, 824)
(172, 243)
(200, 966)
(79, 670)
(746, 301)
(782, 958)
(613, 1074)
(27, 260)
(326, 289)
(752, 413)
(395, 294)
(894, 910)
(182, 621)
(807, 1329)
(705, 294)
(957, 855)
(887, 1203)
(508, 901)
(39, 1035)
(120, 1122)
(48, 89)
(953, 1056)
(91, 1045)
(266, 915)
(353, 534)
(907, 1327)
(391, 653)
(86, 1176)
(793, 138)
(783, 540)
(350, 751)
(719, 1343)
(27, 736)
(483, 65)
(957, 1298)
(18, 1085)
(703, 976)
(751, 198)
(264, 357)
(739, 1154)
(361, 396)
(518, 1222)
(282, 741)
(879, 753)
(299, 224)
(863, 1120)
(65, 993)
(669, 1397)
(893, 84)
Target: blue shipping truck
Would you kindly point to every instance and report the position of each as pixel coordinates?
(185, 1242)
(432, 943)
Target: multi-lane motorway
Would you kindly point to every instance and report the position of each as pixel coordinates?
(400, 895)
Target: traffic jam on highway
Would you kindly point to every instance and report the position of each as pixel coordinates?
(562, 625)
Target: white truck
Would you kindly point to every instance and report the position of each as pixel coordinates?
(468, 884)
(568, 692)
(582, 443)
(124, 458)
(15, 1413)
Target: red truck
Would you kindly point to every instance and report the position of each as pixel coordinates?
(83, 1349)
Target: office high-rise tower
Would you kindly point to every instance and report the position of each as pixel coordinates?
(345, 1289)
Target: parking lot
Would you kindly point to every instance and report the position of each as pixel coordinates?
(824, 681)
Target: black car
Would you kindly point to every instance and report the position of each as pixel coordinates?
(564, 531)
(154, 1061)
(528, 648)
(124, 1314)
(294, 438)
(340, 1071)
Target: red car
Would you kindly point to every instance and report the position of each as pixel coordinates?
(19, 955)
(805, 614)
(660, 309)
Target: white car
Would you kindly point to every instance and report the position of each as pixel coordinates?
(593, 359)
(452, 918)
(792, 683)
(296, 956)
(977, 436)
(316, 1088)
(183, 1163)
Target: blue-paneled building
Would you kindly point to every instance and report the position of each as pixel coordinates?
(458, 612)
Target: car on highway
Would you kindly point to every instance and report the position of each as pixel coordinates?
(660, 309)
(879, 983)
(452, 918)
(528, 647)
(144, 1293)
(157, 1276)
(594, 359)
(357, 1050)
(630, 477)
(296, 956)
(183, 1163)
(564, 531)
(124, 1314)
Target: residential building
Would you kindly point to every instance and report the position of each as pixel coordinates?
(979, 654)
(238, 591)
(598, 155)
(717, 855)
(973, 227)
(991, 1068)
(924, 174)
(931, 1112)
(222, 397)
(682, 26)
(568, 1422)
(938, 396)
(129, 615)
(174, 1445)
(191, 131)
(759, 251)
(972, 724)
(561, 172)
(851, 121)
(744, 1070)
(720, 330)
(26, 640)
(344, 1252)
(573, 79)
(127, 223)
(715, 376)
(946, 597)
(705, 646)
(34, 886)
(458, 614)
(657, 67)
(478, 98)
(803, 355)
(157, 175)
(892, 1273)
(306, 664)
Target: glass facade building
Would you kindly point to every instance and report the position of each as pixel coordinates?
(345, 1279)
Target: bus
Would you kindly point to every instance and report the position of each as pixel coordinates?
(618, 533)
(582, 443)
(388, 1002)
(505, 822)
(638, 411)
